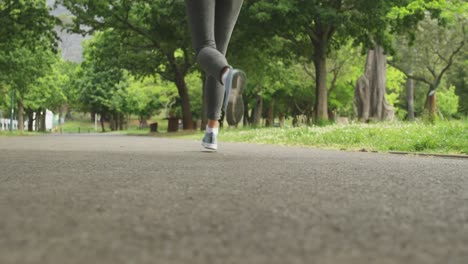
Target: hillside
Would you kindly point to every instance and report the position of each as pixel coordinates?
(70, 44)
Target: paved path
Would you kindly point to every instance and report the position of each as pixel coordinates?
(117, 199)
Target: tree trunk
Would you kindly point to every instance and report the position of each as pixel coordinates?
(111, 122)
(43, 120)
(121, 122)
(20, 115)
(60, 114)
(431, 106)
(63, 111)
(369, 94)
(320, 63)
(30, 120)
(127, 122)
(68, 115)
(281, 119)
(116, 121)
(410, 98)
(102, 123)
(270, 120)
(37, 120)
(185, 100)
(295, 121)
(246, 114)
(257, 111)
(183, 93)
(143, 122)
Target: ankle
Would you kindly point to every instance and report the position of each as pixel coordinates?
(213, 130)
(212, 123)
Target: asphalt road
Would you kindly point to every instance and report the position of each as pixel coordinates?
(121, 199)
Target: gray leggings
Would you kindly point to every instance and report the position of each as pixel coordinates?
(211, 23)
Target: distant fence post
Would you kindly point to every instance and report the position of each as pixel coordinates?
(12, 108)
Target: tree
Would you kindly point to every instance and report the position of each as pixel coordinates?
(101, 83)
(27, 43)
(435, 53)
(370, 90)
(48, 92)
(344, 69)
(152, 35)
(458, 77)
(22, 68)
(148, 96)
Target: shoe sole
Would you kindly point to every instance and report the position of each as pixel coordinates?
(235, 105)
(210, 146)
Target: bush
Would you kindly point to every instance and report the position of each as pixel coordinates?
(447, 102)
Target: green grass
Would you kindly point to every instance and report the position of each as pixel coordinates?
(442, 137)
(77, 127)
(86, 126)
(17, 133)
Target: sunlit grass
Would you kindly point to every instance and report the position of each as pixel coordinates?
(442, 137)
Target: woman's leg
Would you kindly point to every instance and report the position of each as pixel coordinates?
(211, 24)
(201, 16)
(201, 19)
(226, 14)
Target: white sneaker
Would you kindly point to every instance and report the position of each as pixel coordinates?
(233, 104)
(210, 141)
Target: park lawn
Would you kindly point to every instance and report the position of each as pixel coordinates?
(442, 137)
(78, 127)
(68, 127)
(17, 133)
(86, 126)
